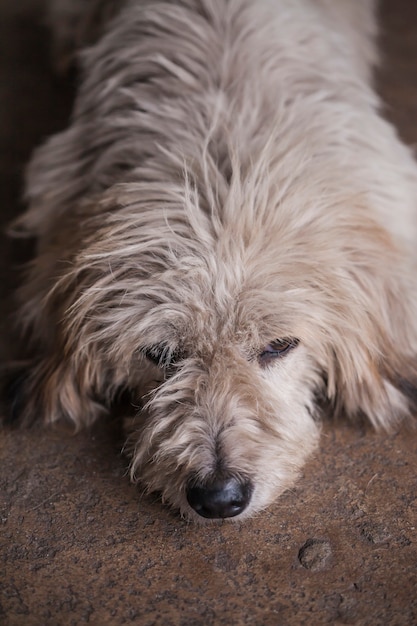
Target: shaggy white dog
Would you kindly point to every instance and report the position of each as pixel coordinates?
(227, 231)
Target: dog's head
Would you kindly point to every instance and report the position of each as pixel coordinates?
(229, 416)
(225, 328)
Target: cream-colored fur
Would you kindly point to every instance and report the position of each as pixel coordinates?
(226, 181)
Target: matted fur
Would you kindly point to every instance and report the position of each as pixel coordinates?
(226, 181)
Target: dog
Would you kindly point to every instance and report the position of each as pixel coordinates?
(226, 232)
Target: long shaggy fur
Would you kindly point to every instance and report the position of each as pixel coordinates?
(226, 181)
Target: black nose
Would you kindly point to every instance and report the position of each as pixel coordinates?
(219, 498)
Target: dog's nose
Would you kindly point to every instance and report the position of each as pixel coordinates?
(220, 498)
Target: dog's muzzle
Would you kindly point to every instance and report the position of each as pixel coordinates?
(220, 498)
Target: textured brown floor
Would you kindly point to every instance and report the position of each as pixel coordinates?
(79, 545)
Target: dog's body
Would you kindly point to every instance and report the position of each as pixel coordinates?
(227, 230)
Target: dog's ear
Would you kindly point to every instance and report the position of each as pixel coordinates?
(375, 372)
(386, 393)
(49, 391)
(371, 324)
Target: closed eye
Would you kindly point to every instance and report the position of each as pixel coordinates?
(162, 355)
(276, 349)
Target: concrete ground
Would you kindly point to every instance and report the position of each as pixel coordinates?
(78, 543)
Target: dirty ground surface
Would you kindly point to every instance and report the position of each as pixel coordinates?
(78, 543)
